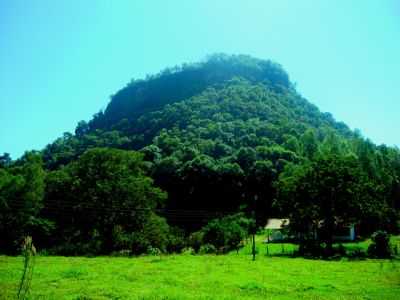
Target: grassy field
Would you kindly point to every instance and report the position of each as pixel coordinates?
(232, 276)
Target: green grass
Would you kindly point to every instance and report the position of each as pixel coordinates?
(285, 249)
(232, 276)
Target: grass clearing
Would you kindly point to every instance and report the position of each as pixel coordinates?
(203, 277)
(232, 276)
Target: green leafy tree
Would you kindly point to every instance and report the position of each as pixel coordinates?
(21, 201)
(310, 144)
(227, 233)
(104, 188)
(5, 160)
(320, 193)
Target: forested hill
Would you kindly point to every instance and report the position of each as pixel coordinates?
(228, 135)
(218, 133)
(250, 100)
(179, 83)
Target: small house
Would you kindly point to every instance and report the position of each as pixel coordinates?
(344, 232)
(276, 230)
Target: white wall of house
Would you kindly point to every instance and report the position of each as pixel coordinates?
(351, 236)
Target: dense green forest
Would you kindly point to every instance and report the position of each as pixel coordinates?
(225, 143)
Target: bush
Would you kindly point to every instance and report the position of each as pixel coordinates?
(153, 251)
(122, 253)
(121, 239)
(357, 253)
(226, 234)
(341, 250)
(78, 246)
(207, 249)
(196, 240)
(154, 234)
(311, 248)
(188, 251)
(176, 240)
(380, 247)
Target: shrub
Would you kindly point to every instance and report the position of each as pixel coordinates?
(196, 240)
(380, 246)
(227, 233)
(207, 249)
(122, 253)
(153, 234)
(140, 243)
(341, 250)
(153, 251)
(216, 233)
(188, 251)
(121, 239)
(176, 240)
(357, 253)
(311, 248)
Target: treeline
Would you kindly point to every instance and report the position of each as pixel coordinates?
(229, 135)
(100, 204)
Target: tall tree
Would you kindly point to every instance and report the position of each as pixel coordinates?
(103, 190)
(331, 189)
(21, 200)
(5, 160)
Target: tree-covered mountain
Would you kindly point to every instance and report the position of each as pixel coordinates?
(223, 90)
(223, 136)
(180, 83)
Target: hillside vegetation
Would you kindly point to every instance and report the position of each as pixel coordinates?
(227, 136)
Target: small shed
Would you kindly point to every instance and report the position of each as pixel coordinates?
(275, 229)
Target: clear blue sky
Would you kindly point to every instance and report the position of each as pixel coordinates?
(61, 60)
